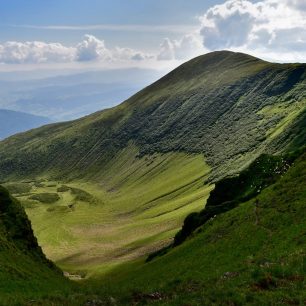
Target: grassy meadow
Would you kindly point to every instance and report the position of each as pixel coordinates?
(136, 208)
(242, 257)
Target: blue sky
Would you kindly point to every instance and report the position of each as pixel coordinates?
(150, 33)
(16, 13)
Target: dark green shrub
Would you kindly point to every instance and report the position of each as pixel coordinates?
(46, 197)
(17, 188)
(63, 188)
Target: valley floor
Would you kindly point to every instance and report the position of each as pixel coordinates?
(134, 209)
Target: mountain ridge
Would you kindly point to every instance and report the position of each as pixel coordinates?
(160, 117)
(13, 122)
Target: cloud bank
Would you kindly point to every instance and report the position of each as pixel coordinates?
(187, 47)
(13, 52)
(271, 29)
(88, 50)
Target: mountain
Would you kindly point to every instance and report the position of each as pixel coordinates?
(117, 185)
(228, 106)
(12, 122)
(25, 271)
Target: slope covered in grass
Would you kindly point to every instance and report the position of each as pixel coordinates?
(229, 106)
(134, 172)
(246, 256)
(134, 210)
(25, 273)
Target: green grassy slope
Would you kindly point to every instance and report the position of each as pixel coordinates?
(135, 209)
(25, 273)
(105, 190)
(242, 257)
(147, 163)
(188, 110)
(231, 191)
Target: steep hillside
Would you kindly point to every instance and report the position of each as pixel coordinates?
(12, 122)
(117, 185)
(228, 106)
(25, 272)
(251, 255)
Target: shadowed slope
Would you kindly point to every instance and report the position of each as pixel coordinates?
(25, 272)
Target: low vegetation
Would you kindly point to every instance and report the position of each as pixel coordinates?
(25, 272)
(47, 198)
(230, 192)
(242, 257)
(18, 188)
(104, 191)
(94, 226)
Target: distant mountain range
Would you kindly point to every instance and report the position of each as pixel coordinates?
(12, 122)
(67, 97)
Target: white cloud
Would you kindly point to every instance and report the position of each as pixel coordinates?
(187, 47)
(129, 54)
(152, 28)
(267, 26)
(92, 48)
(166, 50)
(228, 25)
(298, 4)
(272, 29)
(34, 52)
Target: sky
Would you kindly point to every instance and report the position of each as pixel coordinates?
(37, 34)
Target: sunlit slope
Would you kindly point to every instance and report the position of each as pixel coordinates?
(134, 209)
(247, 256)
(228, 106)
(134, 172)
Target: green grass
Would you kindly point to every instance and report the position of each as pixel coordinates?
(135, 209)
(25, 273)
(125, 179)
(232, 260)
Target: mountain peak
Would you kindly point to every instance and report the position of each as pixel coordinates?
(223, 60)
